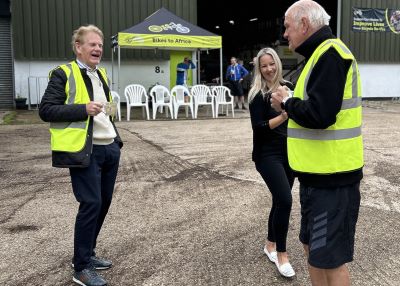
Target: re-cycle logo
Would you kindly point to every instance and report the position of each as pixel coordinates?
(171, 26)
(357, 12)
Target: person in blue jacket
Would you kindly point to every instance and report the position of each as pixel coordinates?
(235, 74)
(182, 71)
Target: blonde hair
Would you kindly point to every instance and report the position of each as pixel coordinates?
(259, 83)
(311, 10)
(79, 34)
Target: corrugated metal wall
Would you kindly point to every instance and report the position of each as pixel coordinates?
(383, 47)
(43, 28)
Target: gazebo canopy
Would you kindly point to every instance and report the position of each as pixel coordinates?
(165, 30)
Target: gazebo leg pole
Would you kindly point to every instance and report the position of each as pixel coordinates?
(112, 69)
(119, 68)
(221, 79)
(198, 67)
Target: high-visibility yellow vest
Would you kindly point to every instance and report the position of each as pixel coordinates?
(338, 148)
(72, 136)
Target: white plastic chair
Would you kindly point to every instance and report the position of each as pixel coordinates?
(161, 97)
(178, 93)
(221, 94)
(136, 96)
(202, 96)
(117, 99)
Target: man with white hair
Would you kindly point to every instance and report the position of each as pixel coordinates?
(85, 140)
(324, 141)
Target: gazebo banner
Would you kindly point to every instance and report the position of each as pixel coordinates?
(163, 29)
(376, 20)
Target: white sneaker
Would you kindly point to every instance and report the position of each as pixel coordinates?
(285, 269)
(272, 256)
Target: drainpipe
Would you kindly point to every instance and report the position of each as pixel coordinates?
(339, 18)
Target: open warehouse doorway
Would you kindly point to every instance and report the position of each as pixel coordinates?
(246, 28)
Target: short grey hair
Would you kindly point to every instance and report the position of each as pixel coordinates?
(310, 9)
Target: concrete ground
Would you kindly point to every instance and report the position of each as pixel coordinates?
(189, 207)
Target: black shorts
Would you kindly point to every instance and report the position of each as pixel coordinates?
(237, 89)
(328, 224)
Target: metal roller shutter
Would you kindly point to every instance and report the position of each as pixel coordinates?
(6, 71)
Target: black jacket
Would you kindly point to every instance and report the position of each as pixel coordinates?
(325, 90)
(53, 109)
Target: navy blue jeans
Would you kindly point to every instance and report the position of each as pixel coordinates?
(93, 188)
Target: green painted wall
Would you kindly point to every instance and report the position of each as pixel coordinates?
(42, 29)
(177, 57)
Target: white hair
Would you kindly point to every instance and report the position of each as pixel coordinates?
(79, 35)
(310, 9)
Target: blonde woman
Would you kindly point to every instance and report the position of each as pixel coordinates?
(270, 155)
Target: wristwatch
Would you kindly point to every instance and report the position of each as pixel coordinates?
(283, 102)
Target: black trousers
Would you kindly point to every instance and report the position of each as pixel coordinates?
(274, 169)
(93, 188)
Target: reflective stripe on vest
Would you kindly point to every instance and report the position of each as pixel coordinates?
(337, 148)
(71, 136)
(323, 134)
(63, 125)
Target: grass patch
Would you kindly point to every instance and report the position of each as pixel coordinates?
(17, 117)
(9, 118)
